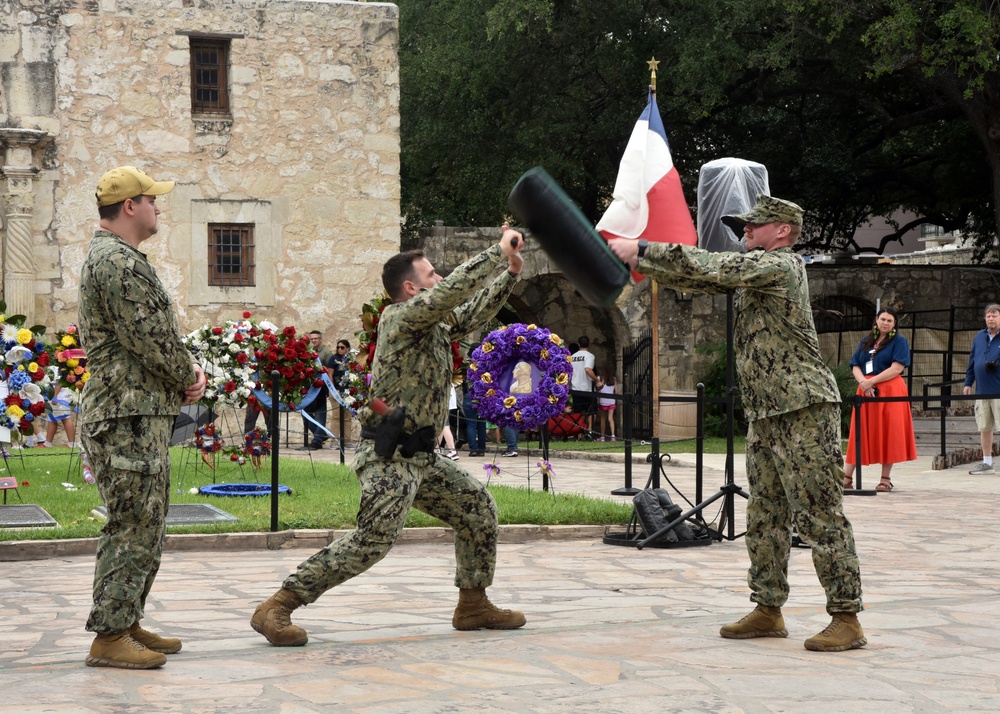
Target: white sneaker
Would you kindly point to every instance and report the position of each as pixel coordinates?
(509, 454)
(453, 455)
(983, 469)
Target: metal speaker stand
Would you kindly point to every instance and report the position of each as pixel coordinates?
(730, 489)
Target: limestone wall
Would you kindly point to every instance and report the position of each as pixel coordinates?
(310, 152)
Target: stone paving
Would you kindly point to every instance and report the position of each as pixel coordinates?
(610, 629)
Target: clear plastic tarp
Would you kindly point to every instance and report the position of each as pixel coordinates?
(727, 187)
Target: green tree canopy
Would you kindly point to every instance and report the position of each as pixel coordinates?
(858, 109)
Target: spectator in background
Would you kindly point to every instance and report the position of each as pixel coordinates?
(446, 433)
(606, 384)
(336, 366)
(886, 427)
(583, 381)
(475, 426)
(317, 407)
(337, 369)
(510, 436)
(984, 372)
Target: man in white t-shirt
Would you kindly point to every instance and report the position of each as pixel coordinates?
(583, 380)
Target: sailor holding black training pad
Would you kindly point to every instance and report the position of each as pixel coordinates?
(794, 460)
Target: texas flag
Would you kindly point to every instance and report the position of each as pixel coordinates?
(648, 201)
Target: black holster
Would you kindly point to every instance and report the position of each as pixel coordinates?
(389, 436)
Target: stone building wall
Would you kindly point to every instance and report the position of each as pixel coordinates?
(309, 152)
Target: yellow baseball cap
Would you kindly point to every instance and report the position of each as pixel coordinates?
(128, 182)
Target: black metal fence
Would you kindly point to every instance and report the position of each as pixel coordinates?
(637, 380)
(940, 341)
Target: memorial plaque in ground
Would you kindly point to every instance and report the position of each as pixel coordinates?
(187, 514)
(25, 516)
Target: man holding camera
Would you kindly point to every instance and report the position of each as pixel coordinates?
(984, 373)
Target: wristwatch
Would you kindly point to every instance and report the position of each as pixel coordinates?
(643, 244)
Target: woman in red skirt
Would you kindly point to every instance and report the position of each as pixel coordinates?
(886, 427)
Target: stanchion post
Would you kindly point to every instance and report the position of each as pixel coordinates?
(699, 453)
(655, 453)
(341, 406)
(628, 489)
(857, 440)
(273, 427)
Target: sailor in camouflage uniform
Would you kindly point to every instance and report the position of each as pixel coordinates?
(412, 369)
(140, 374)
(794, 461)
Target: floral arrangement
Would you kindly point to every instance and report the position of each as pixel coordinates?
(227, 354)
(238, 357)
(256, 445)
(355, 382)
(358, 371)
(296, 365)
(495, 361)
(459, 364)
(208, 439)
(24, 377)
(71, 359)
(367, 336)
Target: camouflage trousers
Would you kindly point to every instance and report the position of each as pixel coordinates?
(794, 466)
(131, 464)
(427, 482)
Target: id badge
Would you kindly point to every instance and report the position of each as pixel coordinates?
(869, 366)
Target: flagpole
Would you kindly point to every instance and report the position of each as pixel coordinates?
(655, 292)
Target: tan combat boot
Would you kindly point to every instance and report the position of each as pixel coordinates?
(843, 633)
(476, 612)
(120, 650)
(152, 641)
(273, 619)
(764, 621)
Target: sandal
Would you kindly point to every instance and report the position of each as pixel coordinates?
(884, 486)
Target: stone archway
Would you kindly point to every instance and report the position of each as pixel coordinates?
(544, 297)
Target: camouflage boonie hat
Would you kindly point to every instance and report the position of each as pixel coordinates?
(767, 210)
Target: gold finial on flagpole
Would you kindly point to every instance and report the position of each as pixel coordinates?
(653, 64)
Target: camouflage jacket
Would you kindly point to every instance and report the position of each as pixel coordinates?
(413, 359)
(777, 351)
(138, 364)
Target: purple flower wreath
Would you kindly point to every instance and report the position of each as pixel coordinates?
(494, 362)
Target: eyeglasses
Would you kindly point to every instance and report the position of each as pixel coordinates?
(341, 347)
(315, 339)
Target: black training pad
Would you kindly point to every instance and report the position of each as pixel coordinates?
(568, 238)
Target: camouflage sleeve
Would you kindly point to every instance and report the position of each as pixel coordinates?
(483, 306)
(432, 306)
(142, 315)
(683, 267)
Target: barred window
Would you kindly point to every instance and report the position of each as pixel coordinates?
(209, 75)
(231, 254)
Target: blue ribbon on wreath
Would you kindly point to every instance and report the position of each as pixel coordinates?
(265, 399)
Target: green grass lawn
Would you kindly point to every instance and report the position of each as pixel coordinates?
(323, 496)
